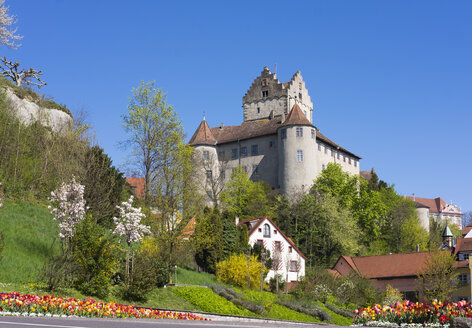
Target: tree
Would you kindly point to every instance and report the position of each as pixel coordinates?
(30, 76)
(103, 186)
(8, 34)
(69, 208)
(208, 240)
(237, 269)
(438, 279)
(467, 218)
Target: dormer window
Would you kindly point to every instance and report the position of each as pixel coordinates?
(265, 93)
(266, 232)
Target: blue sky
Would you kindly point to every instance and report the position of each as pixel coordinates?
(390, 80)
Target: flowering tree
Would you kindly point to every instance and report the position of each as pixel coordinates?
(8, 34)
(129, 226)
(69, 207)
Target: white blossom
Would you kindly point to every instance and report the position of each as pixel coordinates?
(129, 225)
(7, 32)
(70, 207)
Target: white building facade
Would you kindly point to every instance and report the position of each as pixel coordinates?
(287, 260)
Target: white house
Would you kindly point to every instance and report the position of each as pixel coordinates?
(288, 261)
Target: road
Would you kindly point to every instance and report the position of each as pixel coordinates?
(29, 322)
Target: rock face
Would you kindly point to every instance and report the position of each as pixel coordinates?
(29, 112)
(461, 323)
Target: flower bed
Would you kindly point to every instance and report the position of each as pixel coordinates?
(33, 305)
(435, 314)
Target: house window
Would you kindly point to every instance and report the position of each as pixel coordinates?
(206, 154)
(243, 151)
(299, 132)
(277, 245)
(290, 249)
(260, 242)
(313, 135)
(265, 93)
(254, 150)
(209, 174)
(234, 153)
(221, 155)
(283, 134)
(465, 256)
(463, 279)
(258, 110)
(293, 266)
(266, 233)
(260, 230)
(319, 146)
(275, 231)
(299, 156)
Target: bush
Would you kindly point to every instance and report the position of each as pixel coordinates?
(238, 270)
(343, 312)
(392, 296)
(236, 299)
(207, 301)
(308, 309)
(273, 283)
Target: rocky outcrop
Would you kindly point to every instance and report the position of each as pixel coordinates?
(461, 323)
(28, 112)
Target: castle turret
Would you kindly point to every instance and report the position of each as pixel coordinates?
(205, 157)
(297, 152)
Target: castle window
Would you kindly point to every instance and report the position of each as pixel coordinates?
(299, 132)
(313, 136)
(243, 151)
(332, 153)
(299, 155)
(300, 97)
(266, 231)
(206, 154)
(265, 93)
(254, 150)
(223, 174)
(208, 174)
(264, 82)
(271, 144)
(319, 146)
(355, 163)
(339, 155)
(300, 86)
(221, 155)
(255, 168)
(344, 158)
(349, 160)
(258, 110)
(326, 149)
(283, 134)
(234, 153)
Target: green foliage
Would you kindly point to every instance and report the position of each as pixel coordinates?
(244, 198)
(206, 300)
(235, 238)
(240, 270)
(208, 240)
(94, 249)
(277, 311)
(104, 185)
(236, 299)
(308, 309)
(28, 232)
(191, 277)
(338, 319)
(438, 279)
(392, 296)
(277, 283)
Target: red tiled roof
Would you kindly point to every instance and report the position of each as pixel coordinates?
(296, 117)
(466, 230)
(388, 266)
(189, 228)
(435, 205)
(463, 245)
(203, 136)
(137, 184)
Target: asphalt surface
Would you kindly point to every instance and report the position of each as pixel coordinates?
(31, 322)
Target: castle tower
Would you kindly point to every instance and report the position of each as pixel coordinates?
(205, 157)
(268, 97)
(297, 152)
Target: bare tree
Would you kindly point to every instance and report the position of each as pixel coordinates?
(8, 34)
(211, 176)
(277, 262)
(29, 77)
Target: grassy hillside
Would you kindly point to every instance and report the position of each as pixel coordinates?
(28, 231)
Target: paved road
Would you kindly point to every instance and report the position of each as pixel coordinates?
(28, 322)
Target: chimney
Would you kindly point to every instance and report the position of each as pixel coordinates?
(237, 220)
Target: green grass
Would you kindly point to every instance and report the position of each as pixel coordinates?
(190, 277)
(28, 231)
(337, 318)
(165, 298)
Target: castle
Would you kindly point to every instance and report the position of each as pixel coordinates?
(277, 141)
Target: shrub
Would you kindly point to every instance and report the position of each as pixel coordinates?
(343, 312)
(392, 296)
(273, 283)
(240, 271)
(236, 299)
(308, 309)
(206, 300)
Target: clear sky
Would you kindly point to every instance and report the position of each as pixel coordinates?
(390, 80)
